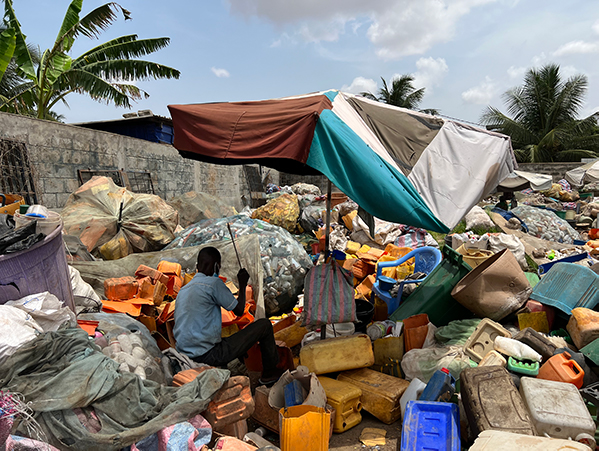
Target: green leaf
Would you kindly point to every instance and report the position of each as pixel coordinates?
(130, 70)
(71, 18)
(21, 54)
(125, 47)
(8, 42)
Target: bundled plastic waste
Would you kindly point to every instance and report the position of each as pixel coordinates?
(283, 211)
(194, 207)
(546, 225)
(284, 260)
(114, 222)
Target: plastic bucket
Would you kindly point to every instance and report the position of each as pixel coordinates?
(42, 267)
(364, 314)
(44, 225)
(474, 257)
(386, 283)
(304, 427)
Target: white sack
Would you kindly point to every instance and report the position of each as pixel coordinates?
(86, 299)
(477, 218)
(17, 327)
(47, 310)
(501, 241)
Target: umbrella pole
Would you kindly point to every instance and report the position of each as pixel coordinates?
(328, 222)
(323, 330)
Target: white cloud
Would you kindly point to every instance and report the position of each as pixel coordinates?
(430, 71)
(568, 71)
(539, 59)
(516, 72)
(577, 47)
(596, 27)
(361, 84)
(397, 28)
(220, 73)
(481, 94)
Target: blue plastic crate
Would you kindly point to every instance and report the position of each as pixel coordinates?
(431, 426)
(567, 286)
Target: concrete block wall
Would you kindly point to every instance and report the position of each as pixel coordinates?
(58, 150)
(556, 170)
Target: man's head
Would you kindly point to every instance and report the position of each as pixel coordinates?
(209, 261)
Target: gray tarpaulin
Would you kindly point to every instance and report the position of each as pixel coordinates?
(96, 272)
(82, 402)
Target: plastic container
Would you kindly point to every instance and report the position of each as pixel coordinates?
(293, 394)
(557, 409)
(506, 441)
(591, 351)
(526, 367)
(536, 306)
(380, 329)
(491, 401)
(515, 348)
(567, 286)
(433, 295)
(380, 392)
(337, 354)
(431, 426)
(495, 288)
(305, 427)
(345, 398)
(493, 358)
(231, 404)
(412, 393)
(440, 387)
(44, 225)
(482, 340)
(120, 289)
(415, 331)
(42, 267)
(536, 341)
(388, 349)
(364, 314)
(562, 368)
(169, 268)
(583, 326)
(474, 257)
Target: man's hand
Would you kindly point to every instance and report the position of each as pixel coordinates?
(243, 277)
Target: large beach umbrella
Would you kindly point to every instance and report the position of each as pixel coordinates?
(397, 164)
(587, 173)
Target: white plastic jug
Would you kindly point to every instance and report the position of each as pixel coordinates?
(412, 393)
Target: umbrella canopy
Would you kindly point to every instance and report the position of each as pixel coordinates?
(587, 173)
(519, 180)
(397, 164)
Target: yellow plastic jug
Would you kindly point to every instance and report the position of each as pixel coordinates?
(345, 399)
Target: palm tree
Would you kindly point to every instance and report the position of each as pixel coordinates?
(402, 94)
(106, 73)
(543, 118)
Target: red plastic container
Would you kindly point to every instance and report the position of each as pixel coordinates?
(415, 331)
(562, 368)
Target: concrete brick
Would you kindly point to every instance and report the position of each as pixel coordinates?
(71, 185)
(49, 200)
(54, 185)
(64, 171)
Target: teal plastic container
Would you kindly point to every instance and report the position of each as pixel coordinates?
(433, 296)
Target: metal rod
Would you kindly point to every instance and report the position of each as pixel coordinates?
(234, 245)
(328, 222)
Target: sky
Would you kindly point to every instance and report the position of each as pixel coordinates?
(466, 53)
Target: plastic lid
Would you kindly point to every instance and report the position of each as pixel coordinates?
(445, 370)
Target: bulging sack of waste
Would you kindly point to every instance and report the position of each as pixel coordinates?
(495, 288)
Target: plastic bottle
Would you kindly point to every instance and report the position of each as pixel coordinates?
(441, 387)
(515, 348)
(412, 393)
(380, 329)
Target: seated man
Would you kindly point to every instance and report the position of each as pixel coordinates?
(198, 321)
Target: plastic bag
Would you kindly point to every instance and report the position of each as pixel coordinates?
(282, 211)
(194, 207)
(284, 260)
(17, 327)
(99, 210)
(477, 218)
(500, 241)
(310, 219)
(337, 239)
(20, 239)
(422, 363)
(47, 311)
(305, 188)
(546, 225)
(86, 299)
(456, 332)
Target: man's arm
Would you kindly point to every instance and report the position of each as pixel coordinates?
(242, 278)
